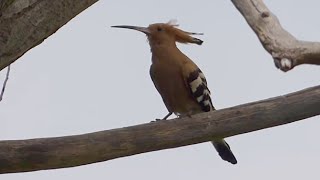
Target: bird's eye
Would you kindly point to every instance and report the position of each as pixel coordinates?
(159, 29)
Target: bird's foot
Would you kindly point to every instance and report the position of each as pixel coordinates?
(165, 118)
(158, 120)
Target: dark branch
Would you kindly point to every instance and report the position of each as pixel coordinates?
(41, 18)
(285, 49)
(70, 151)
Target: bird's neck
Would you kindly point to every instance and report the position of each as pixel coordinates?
(165, 52)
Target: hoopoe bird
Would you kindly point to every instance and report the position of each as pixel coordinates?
(181, 84)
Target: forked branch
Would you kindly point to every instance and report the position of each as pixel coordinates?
(284, 48)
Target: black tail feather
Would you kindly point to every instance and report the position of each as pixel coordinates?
(224, 151)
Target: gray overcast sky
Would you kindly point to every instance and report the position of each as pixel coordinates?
(89, 77)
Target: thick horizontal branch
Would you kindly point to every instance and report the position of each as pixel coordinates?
(70, 151)
(285, 49)
(26, 23)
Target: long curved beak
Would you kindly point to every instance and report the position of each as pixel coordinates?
(141, 29)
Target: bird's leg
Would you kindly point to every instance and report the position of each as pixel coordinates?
(165, 118)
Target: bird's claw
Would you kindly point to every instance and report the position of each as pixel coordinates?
(158, 120)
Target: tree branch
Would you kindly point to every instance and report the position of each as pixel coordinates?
(285, 49)
(70, 151)
(25, 24)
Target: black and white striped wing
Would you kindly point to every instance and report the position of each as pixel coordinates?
(199, 89)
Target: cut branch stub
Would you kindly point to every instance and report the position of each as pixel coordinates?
(285, 49)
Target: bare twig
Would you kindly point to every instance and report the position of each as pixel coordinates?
(5, 83)
(70, 151)
(284, 48)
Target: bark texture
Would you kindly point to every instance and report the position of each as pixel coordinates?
(70, 151)
(284, 48)
(26, 23)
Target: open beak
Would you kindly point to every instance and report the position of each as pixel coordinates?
(141, 29)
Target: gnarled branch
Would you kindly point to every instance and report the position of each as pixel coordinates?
(69, 151)
(285, 49)
(25, 24)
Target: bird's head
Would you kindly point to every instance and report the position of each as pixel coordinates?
(165, 33)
